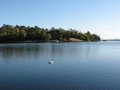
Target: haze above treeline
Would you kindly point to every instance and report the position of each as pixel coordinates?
(9, 33)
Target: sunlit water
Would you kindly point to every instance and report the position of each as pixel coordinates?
(78, 66)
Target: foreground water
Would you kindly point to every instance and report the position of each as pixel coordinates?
(78, 66)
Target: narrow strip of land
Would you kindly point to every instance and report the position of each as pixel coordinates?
(9, 33)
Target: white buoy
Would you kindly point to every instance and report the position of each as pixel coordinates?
(51, 62)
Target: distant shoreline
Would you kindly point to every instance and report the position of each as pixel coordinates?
(43, 42)
(50, 41)
(110, 40)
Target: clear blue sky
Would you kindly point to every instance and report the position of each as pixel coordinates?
(97, 16)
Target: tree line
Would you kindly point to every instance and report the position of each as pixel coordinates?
(9, 33)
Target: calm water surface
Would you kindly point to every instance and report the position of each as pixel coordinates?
(78, 66)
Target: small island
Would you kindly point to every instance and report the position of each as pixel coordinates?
(16, 34)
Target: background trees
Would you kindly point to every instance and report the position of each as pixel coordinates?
(9, 33)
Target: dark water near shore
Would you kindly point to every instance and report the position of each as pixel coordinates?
(78, 66)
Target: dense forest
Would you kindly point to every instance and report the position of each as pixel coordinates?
(9, 33)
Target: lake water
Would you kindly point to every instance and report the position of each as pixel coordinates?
(78, 66)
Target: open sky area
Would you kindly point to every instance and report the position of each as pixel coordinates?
(97, 16)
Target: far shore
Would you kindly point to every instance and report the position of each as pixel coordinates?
(50, 41)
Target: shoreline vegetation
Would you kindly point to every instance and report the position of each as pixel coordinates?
(23, 34)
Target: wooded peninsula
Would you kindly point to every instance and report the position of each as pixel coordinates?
(11, 34)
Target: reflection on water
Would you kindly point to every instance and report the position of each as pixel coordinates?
(8, 51)
(77, 66)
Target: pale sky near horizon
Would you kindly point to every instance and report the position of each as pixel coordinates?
(97, 16)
